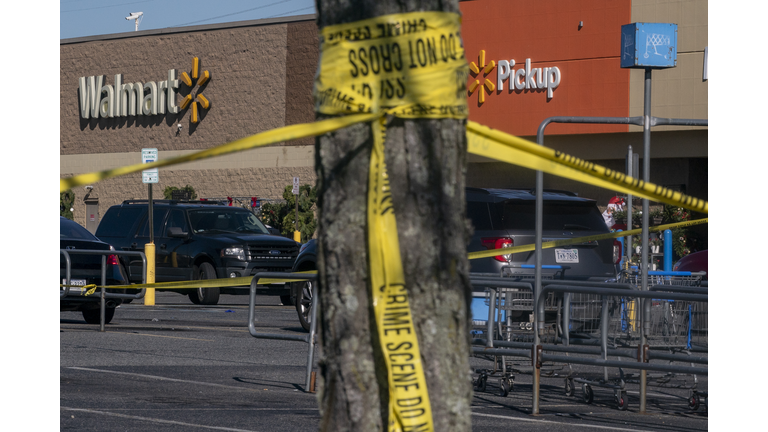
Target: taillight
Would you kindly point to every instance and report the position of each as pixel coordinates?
(498, 243)
(112, 259)
(616, 251)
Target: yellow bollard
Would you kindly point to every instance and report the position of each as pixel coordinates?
(297, 236)
(631, 311)
(149, 295)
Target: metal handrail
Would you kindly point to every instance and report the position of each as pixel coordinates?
(103, 294)
(642, 363)
(63, 293)
(309, 338)
(138, 295)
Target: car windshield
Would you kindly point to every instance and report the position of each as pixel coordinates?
(72, 230)
(218, 220)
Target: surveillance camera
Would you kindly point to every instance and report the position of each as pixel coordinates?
(180, 126)
(88, 188)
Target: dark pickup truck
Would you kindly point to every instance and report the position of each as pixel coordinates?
(197, 240)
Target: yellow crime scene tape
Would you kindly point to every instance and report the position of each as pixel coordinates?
(498, 145)
(409, 65)
(409, 399)
(273, 136)
(577, 240)
(90, 288)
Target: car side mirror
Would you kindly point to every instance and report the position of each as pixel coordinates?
(176, 232)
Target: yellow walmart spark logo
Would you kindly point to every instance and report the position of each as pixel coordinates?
(487, 84)
(198, 79)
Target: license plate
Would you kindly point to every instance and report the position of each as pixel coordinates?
(76, 282)
(566, 255)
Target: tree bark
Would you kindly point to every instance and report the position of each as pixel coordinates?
(426, 162)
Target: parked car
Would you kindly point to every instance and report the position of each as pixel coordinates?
(695, 262)
(197, 240)
(506, 217)
(86, 270)
(301, 292)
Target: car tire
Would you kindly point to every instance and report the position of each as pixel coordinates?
(304, 303)
(93, 316)
(204, 296)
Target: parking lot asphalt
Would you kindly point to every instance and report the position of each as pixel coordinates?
(177, 366)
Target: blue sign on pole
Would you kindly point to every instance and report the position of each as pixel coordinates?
(649, 45)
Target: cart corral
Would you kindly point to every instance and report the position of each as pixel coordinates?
(613, 326)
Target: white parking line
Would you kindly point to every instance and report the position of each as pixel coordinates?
(590, 426)
(155, 377)
(155, 420)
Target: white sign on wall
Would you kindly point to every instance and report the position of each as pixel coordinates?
(149, 155)
(527, 78)
(129, 99)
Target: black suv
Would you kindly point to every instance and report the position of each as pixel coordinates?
(199, 240)
(506, 218)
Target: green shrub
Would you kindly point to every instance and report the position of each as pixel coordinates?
(66, 203)
(168, 192)
(283, 215)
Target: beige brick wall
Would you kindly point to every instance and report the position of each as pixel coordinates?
(678, 92)
(250, 91)
(246, 89)
(213, 183)
(302, 58)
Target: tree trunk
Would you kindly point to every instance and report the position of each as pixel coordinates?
(426, 162)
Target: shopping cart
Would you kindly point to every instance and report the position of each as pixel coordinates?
(589, 316)
(674, 327)
(510, 312)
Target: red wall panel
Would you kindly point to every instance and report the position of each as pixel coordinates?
(547, 32)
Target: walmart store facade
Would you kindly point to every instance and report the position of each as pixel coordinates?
(534, 60)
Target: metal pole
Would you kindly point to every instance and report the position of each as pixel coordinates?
(296, 193)
(667, 250)
(604, 333)
(312, 329)
(630, 172)
(644, 248)
(149, 250)
(151, 231)
(566, 319)
(103, 305)
(538, 321)
(491, 315)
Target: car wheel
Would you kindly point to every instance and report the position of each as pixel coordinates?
(304, 304)
(93, 316)
(204, 296)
